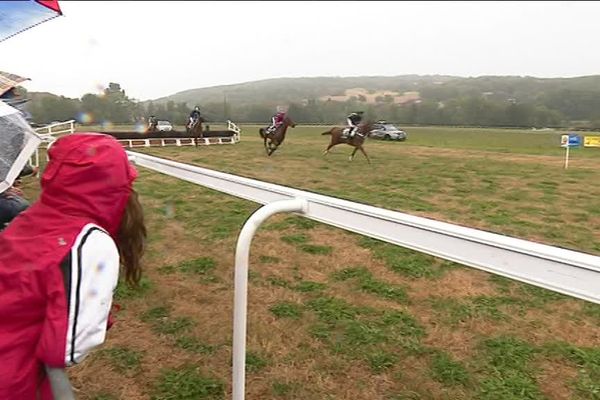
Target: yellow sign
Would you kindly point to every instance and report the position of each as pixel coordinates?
(591, 141)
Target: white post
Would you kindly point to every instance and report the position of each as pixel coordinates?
(240, 296)
(59, 383)
(567, 156)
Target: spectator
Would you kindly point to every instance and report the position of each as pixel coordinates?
(59, 262)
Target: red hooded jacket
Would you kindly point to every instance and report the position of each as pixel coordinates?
(46, 259)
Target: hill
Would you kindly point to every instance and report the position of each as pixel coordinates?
(408, 99)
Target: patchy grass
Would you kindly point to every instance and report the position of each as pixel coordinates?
(367, 283)
(316, 249)
(187, 383)
(309, 286)
(460, 335)
(295, 239)
(587, 361)
(509, 373)
(123, 359)
(269, 259)
(124, 291)
(286, 310)
(162, 322)
(405, 262)
(448, 371)
(194, 345)
(255, 362)
(198, 266)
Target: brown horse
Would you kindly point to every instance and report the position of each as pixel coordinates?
(152, 126)
(273, 140)
(195, 128)
(357, 140)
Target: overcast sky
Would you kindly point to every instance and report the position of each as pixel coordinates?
(157, 48)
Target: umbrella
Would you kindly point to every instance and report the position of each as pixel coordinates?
(18, 16)
(17, 143)
(9, 81)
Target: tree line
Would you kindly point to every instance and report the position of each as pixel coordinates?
(557, 109)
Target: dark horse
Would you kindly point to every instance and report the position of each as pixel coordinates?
(273, 140)
(195, 128)
(357, 140)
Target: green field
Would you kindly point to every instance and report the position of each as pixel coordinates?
(334, 315)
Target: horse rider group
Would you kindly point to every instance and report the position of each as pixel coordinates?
(353, 119)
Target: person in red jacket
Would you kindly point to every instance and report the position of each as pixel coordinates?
(59, 262)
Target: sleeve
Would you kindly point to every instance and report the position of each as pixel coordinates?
(90, 274)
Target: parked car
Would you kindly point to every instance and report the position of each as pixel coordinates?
(164, 126)
(386, 131)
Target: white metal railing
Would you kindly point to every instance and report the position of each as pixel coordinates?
(565, 271)
(163, 142)
(49, 134)
(175, 141)
(57, 128)
(233, 127)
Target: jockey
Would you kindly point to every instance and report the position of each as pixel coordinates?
(276, 120)
(353, 120)
(152, 122)
(194, 115)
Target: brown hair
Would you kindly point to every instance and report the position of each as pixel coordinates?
(131, 239)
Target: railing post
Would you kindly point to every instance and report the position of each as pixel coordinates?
(240, 296)
(59, 383)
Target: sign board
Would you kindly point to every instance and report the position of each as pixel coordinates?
(591, 141)
(570, 140)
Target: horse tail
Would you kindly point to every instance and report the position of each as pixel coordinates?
(327, 133)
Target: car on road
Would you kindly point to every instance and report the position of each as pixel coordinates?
(386, 131)
(164, 126)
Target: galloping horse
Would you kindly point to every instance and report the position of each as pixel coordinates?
(357, 140)
(195, 128)
(273, 140)
(152, 127)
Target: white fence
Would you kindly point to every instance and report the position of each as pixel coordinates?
(175, 141)
(569, 272)
(561, 270)
(49, 134)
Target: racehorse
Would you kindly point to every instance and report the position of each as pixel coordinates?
(273, 140)
(337, 137)
(152, 127)
(195, 128)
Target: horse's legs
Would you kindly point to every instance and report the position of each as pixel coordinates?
(272, 148)
(266, 148)
(327, 149)
(353, 153)
(365, 153)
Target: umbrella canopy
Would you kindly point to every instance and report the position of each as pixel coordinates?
(17, 143)
(9, 81)
(18, 16)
